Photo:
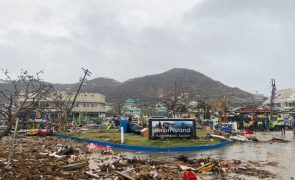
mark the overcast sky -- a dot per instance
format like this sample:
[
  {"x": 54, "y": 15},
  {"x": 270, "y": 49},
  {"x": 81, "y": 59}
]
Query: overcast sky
[{"x": 242, "y": 43}]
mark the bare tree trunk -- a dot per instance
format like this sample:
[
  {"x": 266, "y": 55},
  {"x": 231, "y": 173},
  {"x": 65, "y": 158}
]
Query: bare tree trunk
[{"x": 63, "y": 122}]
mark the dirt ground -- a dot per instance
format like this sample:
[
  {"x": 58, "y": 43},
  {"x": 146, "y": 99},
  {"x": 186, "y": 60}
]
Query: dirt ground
[
  {"x": 31, "y": 160},
  {"x": 28, "y": 162}
]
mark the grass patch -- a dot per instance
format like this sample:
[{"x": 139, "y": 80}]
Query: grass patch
[{"x": 132, "y": 139}]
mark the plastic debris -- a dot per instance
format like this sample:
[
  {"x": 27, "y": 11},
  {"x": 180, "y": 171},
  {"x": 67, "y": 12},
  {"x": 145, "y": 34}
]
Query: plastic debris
[{"x": 189, "y": 176}]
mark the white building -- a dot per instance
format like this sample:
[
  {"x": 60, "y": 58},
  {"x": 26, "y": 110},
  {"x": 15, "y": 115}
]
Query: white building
[
  {"x": 284, "y": 100},
  {"x": 88, "y": 106}
]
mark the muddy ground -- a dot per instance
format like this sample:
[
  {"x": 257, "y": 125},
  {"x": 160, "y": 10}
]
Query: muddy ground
[
  {"x": 31, "y": 160},
  {"x": 275, "y": 157},
  {"x": 264, "y": 152}
]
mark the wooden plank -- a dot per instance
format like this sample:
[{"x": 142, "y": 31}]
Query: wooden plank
[
  {"x": 196, "y": 170},
  {"x": 92, "y": 175},
  {"x": 124, "y": 175},
  {"x": 71, "y": 167}
]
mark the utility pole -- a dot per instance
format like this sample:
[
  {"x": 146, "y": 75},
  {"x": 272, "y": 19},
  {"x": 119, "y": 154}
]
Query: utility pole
[
  {"x": 272, "y": 98},
  {"x": 86, "y": 73},
  {"x": 255, "y": 101},
  {"x": 175, "y": 100}
]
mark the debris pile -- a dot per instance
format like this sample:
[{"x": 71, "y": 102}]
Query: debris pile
[
  {"x": 40, "y": 158},
  {"x": 222, "y": 168},
  {"x": 53, "y": 158},
  {"x": 245, "y": 136},
  {"x": 118, "y": 166}
]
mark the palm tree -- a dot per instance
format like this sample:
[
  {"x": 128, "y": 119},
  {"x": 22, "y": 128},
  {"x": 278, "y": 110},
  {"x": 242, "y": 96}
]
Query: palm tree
[
  {"x": 222, "y": 107},
  {"x": 205, "y": 108}
]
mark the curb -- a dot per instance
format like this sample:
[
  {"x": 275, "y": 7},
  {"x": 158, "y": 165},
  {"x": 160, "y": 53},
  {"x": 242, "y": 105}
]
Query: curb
[{"x": 146, "y": 148}]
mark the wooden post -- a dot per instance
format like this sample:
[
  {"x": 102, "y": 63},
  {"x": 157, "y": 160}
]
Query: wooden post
[{"x": 12, "y": 143}]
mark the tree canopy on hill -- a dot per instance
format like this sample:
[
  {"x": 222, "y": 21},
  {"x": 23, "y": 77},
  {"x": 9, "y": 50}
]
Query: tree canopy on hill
[{"x": 151, "y": 88}]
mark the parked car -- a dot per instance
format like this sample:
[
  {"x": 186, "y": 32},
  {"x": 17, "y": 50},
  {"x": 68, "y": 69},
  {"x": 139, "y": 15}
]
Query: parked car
[
  {"x": 32, "y": 132},
  {"x": 277, "y": 125}
]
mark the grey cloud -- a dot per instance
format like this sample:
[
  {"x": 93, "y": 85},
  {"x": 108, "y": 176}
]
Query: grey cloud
[
  {"x": 241, "y": 43},
  {"x": 249, "y": 37}
]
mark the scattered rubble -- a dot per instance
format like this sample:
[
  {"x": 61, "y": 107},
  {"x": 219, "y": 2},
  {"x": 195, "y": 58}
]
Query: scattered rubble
[
  {"x": 37, "y": 158},
  {"x": 53, "y": 158},
  {"x": 274, "y": 139}
]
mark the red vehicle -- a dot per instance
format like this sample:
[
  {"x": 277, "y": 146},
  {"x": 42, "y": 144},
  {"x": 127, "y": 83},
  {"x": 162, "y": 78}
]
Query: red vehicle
[{"x": 45, "y": 132}]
